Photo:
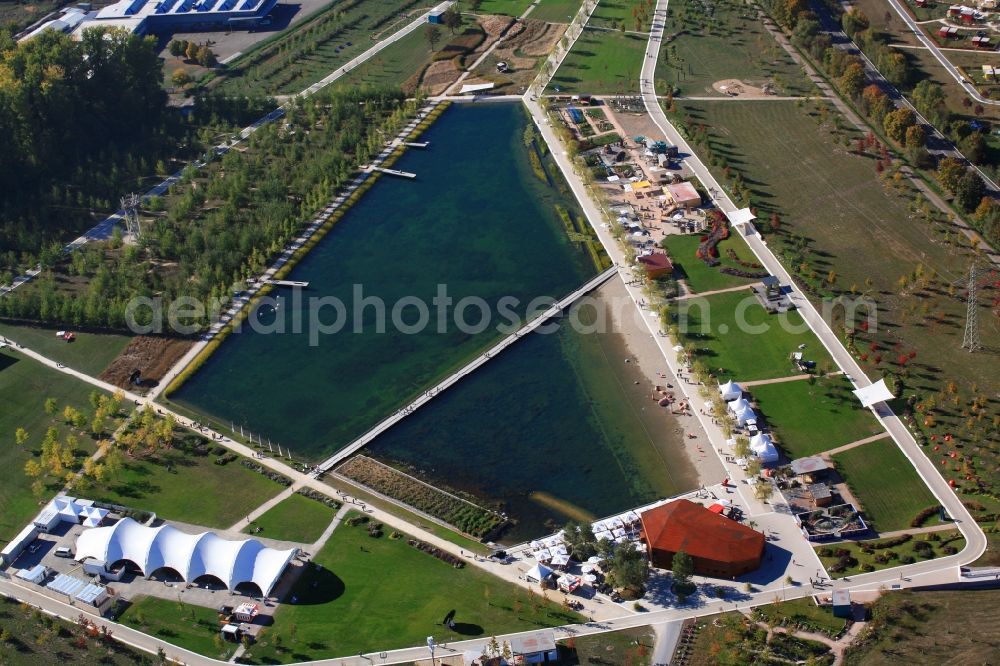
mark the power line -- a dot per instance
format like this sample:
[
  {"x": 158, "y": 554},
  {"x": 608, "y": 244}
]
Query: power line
[{"x": 971, "y": 340}]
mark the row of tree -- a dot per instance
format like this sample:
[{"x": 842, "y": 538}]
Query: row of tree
[{"x": 192, "y": 52}]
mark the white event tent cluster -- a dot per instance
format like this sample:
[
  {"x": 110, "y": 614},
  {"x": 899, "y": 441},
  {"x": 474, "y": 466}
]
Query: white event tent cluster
[{"x": 190, "y": 555}]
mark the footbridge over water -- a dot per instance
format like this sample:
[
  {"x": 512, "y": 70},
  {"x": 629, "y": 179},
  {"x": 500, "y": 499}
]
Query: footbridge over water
[{"x": 554, "y": 311}]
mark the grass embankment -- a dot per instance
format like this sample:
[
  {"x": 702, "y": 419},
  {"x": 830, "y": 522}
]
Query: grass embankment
[
  {"x": 735, "y": 337},
  {"x": 35, "y": 638},
  {"x": 810, "y": 417},
  {"x": 853, "y": 557},
  {"x": 929, "y": 628},
  {"x": 299, "y": 518},
  {"x": 182, "y": 486},
  {"x": 192, "y": 627},
  {"x": 699, "y": 276},
  {"x": 885, "y": 483},
  {"x": 89, "y": 352},
  {"x": 729, "y": 43},
  {"x": 601, "y": 62},
  {"x": 25, "y": 384},
  {"x": 402, "y": 595},
  {"x": 618, "y": 14},
  {"x": 626, "y": 646}
]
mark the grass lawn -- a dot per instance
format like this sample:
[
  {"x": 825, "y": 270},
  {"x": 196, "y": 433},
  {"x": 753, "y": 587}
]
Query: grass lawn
[
  {"x": 627, "y": 646},
  {"x": 905, "y": 553},
  {"x": 601, "y": 62},
  {"x": 298, "y": 518},
  {"x": 191, "y": 489},
  {"x": 510, "y": 7},
  {"x": 810, "y": 418},
  {"x": 89, "y": 353},
  {"x": 804, "y": 613},
  {"x": 370, "y": 593},
  {"x": 40, "y": 639},
  {"x": 195, "y": 628},
  {"x": 24, "y": 386},
  {"x": 884, "y": 481},
  {"x": 613, "y": 13},
  {"x": 555, "y": 11},
  {"x": 699, "y": 276},
  {"x": 729, "y": 44},
  {"x": 736, "y": 337},
  {"x": 930, "y": 628}
]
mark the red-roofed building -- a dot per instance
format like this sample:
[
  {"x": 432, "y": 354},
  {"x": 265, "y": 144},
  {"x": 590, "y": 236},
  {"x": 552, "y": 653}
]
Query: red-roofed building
[
  {"x": 718, "y": 546},
  {"x": 656, "y": 264}
]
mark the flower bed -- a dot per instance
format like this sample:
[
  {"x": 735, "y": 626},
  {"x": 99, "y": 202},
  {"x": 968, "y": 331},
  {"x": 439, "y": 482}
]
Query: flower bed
[{"x": 464, "y": 515}]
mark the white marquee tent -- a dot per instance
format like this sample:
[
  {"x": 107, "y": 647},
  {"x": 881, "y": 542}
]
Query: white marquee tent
[
  {"x": 190, "y": 555},
  {"x": 875, "y": 393},
  {"x": 742, "y": 411},
  {"x": 538, "y": 573},
  {"x": 763, "y": 448},
  {"x": 730, "y": 391}
]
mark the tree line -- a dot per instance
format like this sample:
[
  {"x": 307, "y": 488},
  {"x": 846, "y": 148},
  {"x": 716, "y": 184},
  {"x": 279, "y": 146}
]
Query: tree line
[{"x": 227, "y": 222}]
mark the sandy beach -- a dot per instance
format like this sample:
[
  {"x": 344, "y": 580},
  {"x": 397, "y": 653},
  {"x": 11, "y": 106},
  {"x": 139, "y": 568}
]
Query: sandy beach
[{"x": 642, "y": 352}]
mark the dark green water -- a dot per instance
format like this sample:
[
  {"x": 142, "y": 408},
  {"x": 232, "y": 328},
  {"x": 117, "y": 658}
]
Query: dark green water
[
  {"x": 476, "y": 219},
  {"x": 554, "y": 428}
]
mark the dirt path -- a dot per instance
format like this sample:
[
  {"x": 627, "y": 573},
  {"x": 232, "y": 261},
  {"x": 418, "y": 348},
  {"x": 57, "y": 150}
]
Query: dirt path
[
  {"x": 944, "y": 527},
  {"x": 781, "y": 380},
  {"x": 694, "y": 294},
  {"x": 860, "y": 442}
]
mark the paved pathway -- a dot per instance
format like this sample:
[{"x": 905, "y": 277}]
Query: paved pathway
[
  {"x": 265, "y": 507},
  {"x": 696, "y": 294},
  {"x": 667, "y": 635},
  {"x": 782, "y": 380},
  {"x": 943, "y": 527},
  {"x": 325, "y": 536},
  {"x": 852, "y": 445}
]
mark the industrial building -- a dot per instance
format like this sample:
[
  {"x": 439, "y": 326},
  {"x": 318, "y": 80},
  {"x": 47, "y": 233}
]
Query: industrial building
[{"x": 154, "y": 17}]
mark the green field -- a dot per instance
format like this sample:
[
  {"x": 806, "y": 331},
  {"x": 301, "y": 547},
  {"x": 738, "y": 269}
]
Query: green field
[
  {"x": 885, "y": 483},
  {"x": 697, "y": 274},
  {"x": 509, "y": 7},
  {"x": 24, "y": 386},
  {"x": 735, "y": 337},
  {"x": 90, "y": 353},
  {"x": 372, "y": 593},
  {"x": 812, "y": 417},
  {"x": 298, "y": 518},
  {"x": 729, "y": 44},
  {"x": 886, "y": 558},
  {"x": 188, "y": 488},
  {"x": 555, "y": 11},
  {"x": 195, "y": 628},
  {"x": 929, "y": 628},
  {"x": 601, "y": 62},
  {"x": 806, "y": 612},
  {"x": 618, "y": 13}
]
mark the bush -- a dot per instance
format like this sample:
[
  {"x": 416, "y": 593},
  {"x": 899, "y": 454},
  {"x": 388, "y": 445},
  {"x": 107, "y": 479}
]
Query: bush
[{"x": 922, "y": 517}]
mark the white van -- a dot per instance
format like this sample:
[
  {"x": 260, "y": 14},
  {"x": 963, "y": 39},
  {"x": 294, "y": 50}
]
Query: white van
[{"x": 64, "y": 551}]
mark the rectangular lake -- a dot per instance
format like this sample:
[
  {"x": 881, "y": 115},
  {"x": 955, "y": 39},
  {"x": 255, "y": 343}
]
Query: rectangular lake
[{"x": 476, "y": 219}]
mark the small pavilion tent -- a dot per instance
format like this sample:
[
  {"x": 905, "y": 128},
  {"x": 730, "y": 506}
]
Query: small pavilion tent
[
  {"x": 730, "y": 391},
  {"x": 538, "y": 573},
  {"x": 763, "y": 447},
  {"x": 744, "y": 413},
  {"x": 873, "y": 394},
  {"x": 93, "y": 516},
  {"x": 737, "y": 406},
  {"x": 190, "y": 555}
]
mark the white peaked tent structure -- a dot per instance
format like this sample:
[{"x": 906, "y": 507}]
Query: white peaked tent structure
[
  {"x": 730, "y": 391},
  {"x": 742, "y": 411},
  {"x": 764, "y": 448},
  {"x": 873, "y": 394},
  {"x": 190, "y": 555},
  {"x": 538, "y": 573}
]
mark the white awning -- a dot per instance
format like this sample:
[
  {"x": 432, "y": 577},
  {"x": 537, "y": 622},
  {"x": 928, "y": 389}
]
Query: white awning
[
  {"x": 475, "y": 87},
  {"x": 877, "y": 392},
  {"x": 741, "y": 216}
]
